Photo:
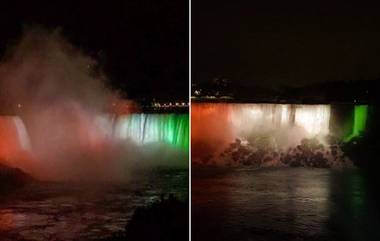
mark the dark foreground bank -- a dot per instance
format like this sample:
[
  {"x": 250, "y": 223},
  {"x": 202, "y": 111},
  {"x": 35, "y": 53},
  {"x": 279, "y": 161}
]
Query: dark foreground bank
[
  {"x": 12, "y": 179},
  {"x": 165, "y": 220}
]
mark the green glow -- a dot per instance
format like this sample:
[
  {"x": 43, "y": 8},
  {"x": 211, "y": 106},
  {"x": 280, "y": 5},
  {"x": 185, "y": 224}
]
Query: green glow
[
  {"x": 172, "y": 129},
  {"x": 360, "y": 120}
]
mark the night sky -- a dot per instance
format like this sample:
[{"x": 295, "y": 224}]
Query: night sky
[
  {"x": 142, "y": 45},
  {"x": 287, "y": 43}
]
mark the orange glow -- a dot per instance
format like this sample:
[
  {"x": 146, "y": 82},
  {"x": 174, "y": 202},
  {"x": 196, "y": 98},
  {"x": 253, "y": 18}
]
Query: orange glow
[
  {"x": 7, "y": 220},
  {"x": 14, "y": 144},
  {"x": 210, "y": 129},
  {"x": 122, "y": 107}
]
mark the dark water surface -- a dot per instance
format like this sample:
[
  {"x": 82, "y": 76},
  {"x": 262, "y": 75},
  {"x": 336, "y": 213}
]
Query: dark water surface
[
  {"x": 72, "y": 211},
  {"x": 283, "y": 204}
]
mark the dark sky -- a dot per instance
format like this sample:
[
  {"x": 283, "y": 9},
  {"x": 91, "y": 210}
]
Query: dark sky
[
  {"x": 141, "y": 44},
  {"x": 284, "y": 43}
]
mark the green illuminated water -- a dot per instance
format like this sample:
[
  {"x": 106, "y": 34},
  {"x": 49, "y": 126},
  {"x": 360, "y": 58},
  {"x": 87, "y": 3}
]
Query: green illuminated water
[
  {"x": 172, "y": 129},
  {"x": 359, "y": 123}
]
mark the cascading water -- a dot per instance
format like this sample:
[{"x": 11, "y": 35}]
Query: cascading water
[
  {"x": 264, "y": 134},
  {"x": 14, "y": 141},
  {"x": 171, "y": 130},
  {"x": 143, "y": 129},
  {"x": 256, "y": 118},
  {"x": 359, "y": 122}
]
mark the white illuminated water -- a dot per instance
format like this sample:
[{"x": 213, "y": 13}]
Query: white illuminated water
[
  {"x": 220, "y": 129},
  {"x": 259, "y": 118}
]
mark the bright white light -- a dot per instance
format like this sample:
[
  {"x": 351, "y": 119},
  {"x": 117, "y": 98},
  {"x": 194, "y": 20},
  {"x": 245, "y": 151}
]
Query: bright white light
[
  {"x": 259, "y": 118},
  {"x": 313, "y": 118},
  {"x": 285, "y": 114},
  {"x": 22, "y": 133}
]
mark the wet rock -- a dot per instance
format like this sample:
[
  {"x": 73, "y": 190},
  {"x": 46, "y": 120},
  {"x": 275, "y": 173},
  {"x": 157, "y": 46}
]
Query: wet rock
[{"x": 262, "y": 152}]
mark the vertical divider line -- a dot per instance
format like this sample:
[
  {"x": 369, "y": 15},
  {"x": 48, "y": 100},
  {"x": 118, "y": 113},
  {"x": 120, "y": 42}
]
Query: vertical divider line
[{"x": 189, "y": 120}]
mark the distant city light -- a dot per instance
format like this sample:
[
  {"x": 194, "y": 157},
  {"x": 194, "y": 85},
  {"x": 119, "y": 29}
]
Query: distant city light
[{"x": 177, "y": 104}]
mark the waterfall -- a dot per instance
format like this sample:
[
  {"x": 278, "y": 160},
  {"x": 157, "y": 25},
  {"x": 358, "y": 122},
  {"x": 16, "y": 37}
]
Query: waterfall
[
  {"x": 313, "y": 119},
  {"x": 14, "y": 141},
  {"x": 254, "y": 134},
  {"x": 215, "y": 122},
  {"x": 359, "y": 121},
  {"x": 96, "y": 146},
  {"x": 143, "y": 129}
]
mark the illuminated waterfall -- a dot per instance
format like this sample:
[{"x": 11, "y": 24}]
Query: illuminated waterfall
[
  {"x": 143, "y": 129},
  {"x": 314, "y": 119},
  {"x": 236, "y": 119},
  {"x": 14, "y": 140},
  {"x": 13, "y": 134},
  {"x": 171, "y": 129},
  {"x": 359, "y": 122},
  {"x": 278, "y": 126},
  {"x": 22, "y": 133}
]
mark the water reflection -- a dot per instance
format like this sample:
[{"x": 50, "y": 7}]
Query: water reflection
[
  {"x": 354, "y": 213},
  {"x": 73, "y": 211},
  {"x": 283, "y": 204}
]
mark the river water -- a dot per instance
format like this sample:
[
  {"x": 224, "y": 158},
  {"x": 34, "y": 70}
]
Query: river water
[
  {"x": 283, "y": 204},
  {"x": 92, "y": 211}
]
